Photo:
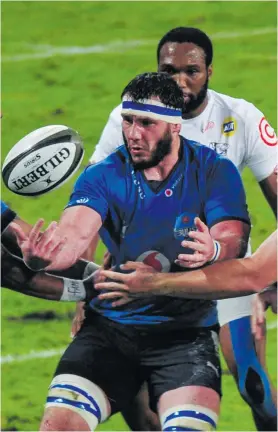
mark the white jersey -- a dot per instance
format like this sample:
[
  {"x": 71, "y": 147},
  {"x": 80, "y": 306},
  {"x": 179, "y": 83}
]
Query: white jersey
[{"x": 232, "y": 127}]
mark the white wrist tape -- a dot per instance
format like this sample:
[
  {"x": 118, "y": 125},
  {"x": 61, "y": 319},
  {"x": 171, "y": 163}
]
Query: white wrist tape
[
  {"x": 217, "y": 251},
  {"x": 74, "y": 290}
]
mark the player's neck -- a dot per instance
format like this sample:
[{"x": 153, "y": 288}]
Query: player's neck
[
  {"x": 197, "y": 111},
  {"x": 163, "y": 169}
]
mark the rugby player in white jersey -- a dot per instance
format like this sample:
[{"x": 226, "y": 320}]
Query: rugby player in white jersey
[{"x": 237, "y": 129}]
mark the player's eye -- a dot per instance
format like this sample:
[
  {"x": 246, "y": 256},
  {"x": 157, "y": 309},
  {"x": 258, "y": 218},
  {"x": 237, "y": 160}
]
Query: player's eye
[
  {"x": 127, "y": 119},
  {"x": 168, "y": 69},
  {"x": 192, "y": 71},
  {"x": 146, "y": 122}
]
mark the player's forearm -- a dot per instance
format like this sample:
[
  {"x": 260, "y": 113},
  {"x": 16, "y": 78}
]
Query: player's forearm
[
  {"x": 233, "y": 239},
  {"x": 233, "y": 278}
]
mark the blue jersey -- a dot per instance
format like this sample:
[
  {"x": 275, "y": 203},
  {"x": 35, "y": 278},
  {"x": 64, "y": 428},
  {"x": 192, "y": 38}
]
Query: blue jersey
[
  {"x": 140, "y": 224},
  {"x": 7, "y": 216}
]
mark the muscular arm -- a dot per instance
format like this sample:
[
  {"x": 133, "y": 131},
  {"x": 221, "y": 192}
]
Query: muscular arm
[
  {"x": 59, "y": 247},
  {"x": 231, "y": 278}
]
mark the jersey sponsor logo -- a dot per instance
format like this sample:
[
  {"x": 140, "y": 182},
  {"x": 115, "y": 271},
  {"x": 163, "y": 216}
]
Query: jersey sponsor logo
[
  {"x": 267, "y": 133},
  {"x": 229, "y": 126},
  {"x": 219, "y": 148},
  {"x": 156, "y": 260},
  {"x": 168, "y": 192},
  {"x": 184, "y": 224}
]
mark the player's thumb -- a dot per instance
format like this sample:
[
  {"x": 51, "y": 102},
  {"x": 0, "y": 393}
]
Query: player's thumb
[{"x": 201, "y": 226}]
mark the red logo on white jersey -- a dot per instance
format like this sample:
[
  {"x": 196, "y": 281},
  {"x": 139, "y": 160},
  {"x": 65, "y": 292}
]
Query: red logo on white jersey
[
  {"x": 210, "y": 125},
  {"x": 267, "y": 133},
  {"x": 156, "y": 260}
]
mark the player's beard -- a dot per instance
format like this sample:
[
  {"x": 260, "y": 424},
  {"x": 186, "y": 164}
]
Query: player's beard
[
  {"x": 196, "y": 100},
  {"x": 163, "y": 148}
]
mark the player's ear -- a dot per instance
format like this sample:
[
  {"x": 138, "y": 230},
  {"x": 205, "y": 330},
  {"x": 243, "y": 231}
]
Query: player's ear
[
  {"x": 176, "y": 128},
  {"x": 210, "y": 71}
]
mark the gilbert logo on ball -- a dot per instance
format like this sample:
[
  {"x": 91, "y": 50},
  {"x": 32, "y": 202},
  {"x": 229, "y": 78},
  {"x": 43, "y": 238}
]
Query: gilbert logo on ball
[{"x": 43, "y": 160}]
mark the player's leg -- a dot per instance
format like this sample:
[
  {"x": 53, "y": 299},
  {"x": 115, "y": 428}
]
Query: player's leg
[
  {"x": 185, "y": 383},
  {"x": 192, "y": 408},
  {"x": 138, "y": 414},
  {"x": 245, "y": 362},
  {"x": 93, "y": 380}
]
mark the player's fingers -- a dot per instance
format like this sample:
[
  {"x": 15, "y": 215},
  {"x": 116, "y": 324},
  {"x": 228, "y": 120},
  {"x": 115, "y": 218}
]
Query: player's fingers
[
  {"x": 134, "y": 265},
  {"x": 111, "y": 295},
  {"x": 199, "y": 247},
  {"x": 19, "y": 233},
  {"x": 200, "y": 225},
  {"x": 110, "y": 274},
  {"x": 191, "y": 258},
  {"x": 122, "y": 301},
  {"x": 49, "y": 236},
  {"x": 184, "y": 264},
  {"x": 110, "y": 285},
  {"x": 199, "y": 236},
  {"x": 35, "y": 231}
]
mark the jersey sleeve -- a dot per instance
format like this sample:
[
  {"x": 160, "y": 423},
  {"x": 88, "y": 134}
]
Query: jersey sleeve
[
  {"x": 261, "y": 142},
  {"x": 7, "y": 216},
  {"x": 91, "y": 190},
  {"x": 225, "y": 196},
  {"x": 111, "y": 137}
]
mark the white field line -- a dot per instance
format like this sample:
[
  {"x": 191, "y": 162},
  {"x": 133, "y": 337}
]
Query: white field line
[
  {"x": 46, "y": 51},
  {"x": 10, "y": 358}
]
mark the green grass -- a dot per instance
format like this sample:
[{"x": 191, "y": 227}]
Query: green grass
[{"x": 80, "y": 91}]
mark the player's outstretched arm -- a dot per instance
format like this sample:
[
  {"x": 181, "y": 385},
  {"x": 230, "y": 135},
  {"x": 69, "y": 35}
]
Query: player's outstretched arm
[
  {"x": 231, "y": 278},
  {"x": 61, "y": 245}
]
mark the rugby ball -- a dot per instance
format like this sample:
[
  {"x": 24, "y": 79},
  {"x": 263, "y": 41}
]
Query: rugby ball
[{"x": 43, "y": 160}]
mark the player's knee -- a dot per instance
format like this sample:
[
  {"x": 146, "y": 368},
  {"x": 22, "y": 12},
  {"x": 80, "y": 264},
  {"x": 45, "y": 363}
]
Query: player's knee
[
  {"x": 82, "y": 401},
  {"x": 189, "y": 418}
]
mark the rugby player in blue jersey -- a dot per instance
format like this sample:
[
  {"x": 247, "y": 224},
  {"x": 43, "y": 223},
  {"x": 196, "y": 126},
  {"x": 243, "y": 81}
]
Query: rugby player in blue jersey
[{"x": 145, "y": 198}]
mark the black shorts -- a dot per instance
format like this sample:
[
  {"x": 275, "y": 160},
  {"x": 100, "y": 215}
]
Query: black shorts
[{"x": 119, "y": 358}]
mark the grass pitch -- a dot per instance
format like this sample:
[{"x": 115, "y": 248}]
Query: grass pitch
[{"x": 48, "y": 78}]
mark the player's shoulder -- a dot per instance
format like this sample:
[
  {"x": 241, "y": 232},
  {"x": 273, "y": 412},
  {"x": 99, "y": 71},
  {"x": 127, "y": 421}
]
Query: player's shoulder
[
  {"x": 231, "y": 106},
  {"x": 205, "y": 156}
]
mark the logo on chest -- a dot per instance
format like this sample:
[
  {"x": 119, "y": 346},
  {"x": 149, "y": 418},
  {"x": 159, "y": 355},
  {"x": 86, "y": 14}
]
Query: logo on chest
[
  {"x": 156, "y": 260},
  {"x": 229, "y": 126},
  {"x": 183, "y": 225},
  {"x": 219, "y": 148}
]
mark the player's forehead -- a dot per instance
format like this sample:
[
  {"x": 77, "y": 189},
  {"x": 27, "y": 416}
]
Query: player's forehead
[{"x": 181, "y": 54}]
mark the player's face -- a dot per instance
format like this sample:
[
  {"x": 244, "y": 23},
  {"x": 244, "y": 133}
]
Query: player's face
[
  {"x": 148, "y": 141},
  {"x": 185, "y": 62}
]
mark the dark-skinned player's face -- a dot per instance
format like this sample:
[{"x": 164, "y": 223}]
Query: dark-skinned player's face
[{"x": 185, "y": 62}]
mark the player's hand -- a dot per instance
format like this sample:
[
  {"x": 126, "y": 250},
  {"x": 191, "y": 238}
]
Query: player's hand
[
  {"x": 124, "y": 287},
  {"x": 260, "y": 303},
  {"x": 77, "y": 319},
  {"x": 38, "y": 249},
  {"x": 202, "y": 245}
]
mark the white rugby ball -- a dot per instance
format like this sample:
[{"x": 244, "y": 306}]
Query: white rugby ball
[{"x": 43, "y": 160}]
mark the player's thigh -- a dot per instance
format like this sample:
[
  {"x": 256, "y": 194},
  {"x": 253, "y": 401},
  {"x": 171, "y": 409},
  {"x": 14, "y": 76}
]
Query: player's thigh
[
  {"x": 94, "y": 355},
  {"x": 189, "y": 408},
  {"x": 186, "y": 358}
]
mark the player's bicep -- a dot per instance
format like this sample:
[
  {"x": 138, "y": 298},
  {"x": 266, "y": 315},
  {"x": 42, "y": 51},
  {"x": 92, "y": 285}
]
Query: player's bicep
[{"x": 269, "y": 188}]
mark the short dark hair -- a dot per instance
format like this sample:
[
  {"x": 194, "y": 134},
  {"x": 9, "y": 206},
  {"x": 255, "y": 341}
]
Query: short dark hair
[
  {"x": 188, "y": 34},
  {"x": 159, "y": 84}
]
